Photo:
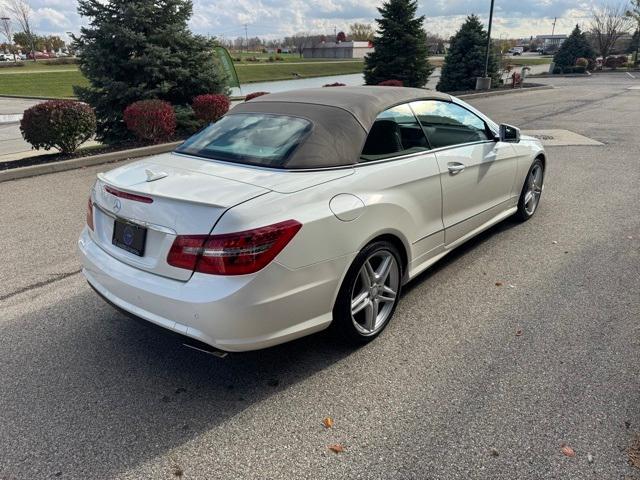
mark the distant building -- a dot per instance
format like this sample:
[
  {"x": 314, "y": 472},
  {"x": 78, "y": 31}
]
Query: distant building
[
  {"x": 550, "y": 42},
  {"x": 338, "y": 50}
]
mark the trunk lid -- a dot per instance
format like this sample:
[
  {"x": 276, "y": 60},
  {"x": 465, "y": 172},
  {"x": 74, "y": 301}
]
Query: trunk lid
[{"x": 182, "y": 202}]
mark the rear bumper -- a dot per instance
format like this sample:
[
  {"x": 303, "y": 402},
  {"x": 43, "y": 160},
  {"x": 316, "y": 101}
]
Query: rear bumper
[{"x": 236, "y": 313}]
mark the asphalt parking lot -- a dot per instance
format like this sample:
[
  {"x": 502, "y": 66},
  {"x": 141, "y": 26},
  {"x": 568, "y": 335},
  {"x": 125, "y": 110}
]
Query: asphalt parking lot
[{"x": 470, "y": 381}]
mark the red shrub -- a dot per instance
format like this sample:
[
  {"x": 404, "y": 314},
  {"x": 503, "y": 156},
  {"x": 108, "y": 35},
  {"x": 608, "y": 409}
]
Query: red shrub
[
  {"x": 63, "y": 124},
  {"x": 582, "y": 62},
  {"x": 254, "y": 95},
  {"x": 151, "y": 120},
  {"x": 210, "y": 107},
  {"x": 392, "y": 83},
  {"x": 614, "y": 62},
  {"x": 337, "y": 84}
]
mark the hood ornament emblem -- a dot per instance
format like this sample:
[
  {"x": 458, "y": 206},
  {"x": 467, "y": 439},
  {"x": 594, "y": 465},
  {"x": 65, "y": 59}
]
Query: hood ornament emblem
[{"x": 153, "y": 176}]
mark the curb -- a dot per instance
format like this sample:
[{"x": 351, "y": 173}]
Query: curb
[
  {"x": 505, "y": 92},
  {"x": 27, "y": 97},
  {"x": 64, "y": 165}
]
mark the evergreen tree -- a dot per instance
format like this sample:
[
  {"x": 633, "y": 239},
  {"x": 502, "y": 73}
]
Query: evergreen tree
[
  {"x": 141, "y": 49},
  {"x": 575, "y": 46},
  {"x": 465, "y": 59},
  {"x": 400, "y": 46}
]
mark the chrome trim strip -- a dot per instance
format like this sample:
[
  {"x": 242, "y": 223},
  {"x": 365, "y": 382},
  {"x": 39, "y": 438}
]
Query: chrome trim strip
[{"x": 151, "y": 226}]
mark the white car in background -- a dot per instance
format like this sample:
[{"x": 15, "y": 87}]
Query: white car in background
[{"x": 303, "y": 210}]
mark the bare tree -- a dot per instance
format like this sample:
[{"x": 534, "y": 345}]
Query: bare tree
[
  {"x": 22, "y": 13},
  {"x": 6, "y": 29},
  {"x": 361, "y": 32},
  {"x": 608, "y": 24}
]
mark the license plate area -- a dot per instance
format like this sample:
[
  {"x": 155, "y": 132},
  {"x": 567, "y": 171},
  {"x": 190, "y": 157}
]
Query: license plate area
[{"x": 129, "y": 236}]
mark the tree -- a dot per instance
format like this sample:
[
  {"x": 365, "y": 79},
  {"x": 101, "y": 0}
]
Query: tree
[
  {"x": 141, "y": 49},
  {"x": 634, "y": 13},
  {"x": 6, "y": 29},
  {"x": 400, "y": 46},
  {"x": 465, "y": 60},
  {"x": 575, "y": 46},
  {"x": 608, "y": 24},
  {"x": 22, "y": 12},
  {"x": 361, "y": 32},
  {"x": 341, "y": 37}
]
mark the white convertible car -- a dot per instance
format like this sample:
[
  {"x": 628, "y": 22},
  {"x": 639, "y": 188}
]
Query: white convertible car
[{"x": 303, "y": 210}]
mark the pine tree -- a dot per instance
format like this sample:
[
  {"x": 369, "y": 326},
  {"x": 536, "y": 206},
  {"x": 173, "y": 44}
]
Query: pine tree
[
  {"x": 400, "y": 46},
  {"x": 465, "y": 59},
  {"x": 575, "y": 46},
  {"x": 141, "y": 49}
]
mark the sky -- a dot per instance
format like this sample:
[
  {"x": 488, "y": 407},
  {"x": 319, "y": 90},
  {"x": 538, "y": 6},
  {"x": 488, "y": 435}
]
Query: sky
[{"x": 278, "y": 18}]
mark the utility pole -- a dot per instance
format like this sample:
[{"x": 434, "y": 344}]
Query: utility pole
[
  {"x": 484, "y": 83},
  {"x": 553, "y": 30},
  {"x": 246, "y": 36}
]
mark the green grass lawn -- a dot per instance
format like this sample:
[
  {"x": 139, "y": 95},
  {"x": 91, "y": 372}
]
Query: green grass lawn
[
  {"x": 50, "y": 84},
  {"x": 284, "y": 71},
  {"x": 58, "y": 80},
  {"x": 529, "y": 61}
]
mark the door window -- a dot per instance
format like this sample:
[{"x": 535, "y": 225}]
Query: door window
[
  {"x": 449, "y": 124},
  {"x": 395, "y": 132}
]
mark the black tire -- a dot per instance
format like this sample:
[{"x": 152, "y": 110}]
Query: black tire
[
  {"x": 523, "y": 214},
  {"x": 343, "y": 326}
]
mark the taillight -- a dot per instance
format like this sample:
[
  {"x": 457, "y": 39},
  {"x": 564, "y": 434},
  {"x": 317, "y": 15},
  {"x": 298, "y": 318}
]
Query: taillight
[
  {"x": 90, "y": 214},
  {"x": 237, "y": 253}
]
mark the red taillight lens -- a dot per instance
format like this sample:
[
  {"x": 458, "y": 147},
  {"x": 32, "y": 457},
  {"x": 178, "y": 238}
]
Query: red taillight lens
[
  {"x": 237, "y": 253},
  {"x": 90, "y": 214}
]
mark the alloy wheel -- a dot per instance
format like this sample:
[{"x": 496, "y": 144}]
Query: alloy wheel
[
  {"x": 375, "y": 292},
  {"x": 534, "y": 190}
]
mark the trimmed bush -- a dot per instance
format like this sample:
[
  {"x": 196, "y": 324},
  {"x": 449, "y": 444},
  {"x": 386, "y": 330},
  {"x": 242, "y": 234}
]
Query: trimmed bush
[
  {"x": 62, "y": 61},
  {"x": 582, "y": 62},
  {"x": 61, "y": 124},
  {"x": 253, "y": 95},
  {"x": 11, "y": 64},
  {"x": 391, "y": 83},
  {"x": 579, "y": 69},
  {"x": 211, "y": 107},
  {"x": 614, "y": 62},
  {"x": 151, "y": 120},
  {"x": 557, "y": 70},
  {"x": 336, "y": 84}
]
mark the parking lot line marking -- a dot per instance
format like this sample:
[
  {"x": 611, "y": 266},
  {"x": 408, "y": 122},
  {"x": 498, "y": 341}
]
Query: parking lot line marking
[{"x": 632, "y": 76}]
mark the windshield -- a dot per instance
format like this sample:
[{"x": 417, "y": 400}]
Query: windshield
[{"x": 250, "y": 138}]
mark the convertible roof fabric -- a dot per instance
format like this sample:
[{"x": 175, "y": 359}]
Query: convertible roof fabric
[{"x": 341, "y": 118}]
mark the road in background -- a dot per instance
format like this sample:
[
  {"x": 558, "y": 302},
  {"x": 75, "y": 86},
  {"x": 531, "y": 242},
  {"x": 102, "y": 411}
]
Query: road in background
[{"x": 470, "y": 381}]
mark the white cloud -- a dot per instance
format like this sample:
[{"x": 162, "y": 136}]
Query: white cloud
[{"x": 278, "y": 18}]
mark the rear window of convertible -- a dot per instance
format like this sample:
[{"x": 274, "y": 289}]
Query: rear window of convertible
[{"x": 250, "y": 138}]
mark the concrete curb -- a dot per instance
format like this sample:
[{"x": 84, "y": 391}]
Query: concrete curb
[
  {"x": 61, "y": 166},
  {"x": 23, "y": 97},
  {"x": 505, "y": 92}
]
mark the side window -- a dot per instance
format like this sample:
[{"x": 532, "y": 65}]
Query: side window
[
  {"x": 449, "y": 124},
  {"x": 395, "y": 132}
]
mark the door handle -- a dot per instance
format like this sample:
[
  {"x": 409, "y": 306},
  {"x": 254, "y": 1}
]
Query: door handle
[{"x": 455, "y": 167}]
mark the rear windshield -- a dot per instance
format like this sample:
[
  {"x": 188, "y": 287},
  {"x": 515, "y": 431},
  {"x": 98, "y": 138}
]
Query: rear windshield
[{"x": 251, "y": 138}]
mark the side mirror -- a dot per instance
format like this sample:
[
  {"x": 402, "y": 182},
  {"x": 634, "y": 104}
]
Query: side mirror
[{"x": 509, "y": 133}]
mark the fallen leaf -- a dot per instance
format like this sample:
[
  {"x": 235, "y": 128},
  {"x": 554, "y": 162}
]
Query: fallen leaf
[
  {"x": 518, "y": 333},
  {"x": 567, "y": 451},
  {"x": 555, "y": 242},
  {"x": 494, "y": 452},
  {"x": 336, "y": 448},
  {"x": 498, "y": 284},
  {"x": 327, "y": 422}
]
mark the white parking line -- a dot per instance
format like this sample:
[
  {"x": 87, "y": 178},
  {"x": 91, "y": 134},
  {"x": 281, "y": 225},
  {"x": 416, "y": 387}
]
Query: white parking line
[{"x": 632, "y": 76}]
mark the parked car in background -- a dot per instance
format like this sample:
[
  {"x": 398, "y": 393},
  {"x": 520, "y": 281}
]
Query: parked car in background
[
  {"x": 303, "y": 210},
  {"x": 515, "y": 51},
  {"x": 38, "y": 55}
]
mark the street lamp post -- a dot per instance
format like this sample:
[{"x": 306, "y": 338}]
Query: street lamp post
[{"x": 484, "y": 83}]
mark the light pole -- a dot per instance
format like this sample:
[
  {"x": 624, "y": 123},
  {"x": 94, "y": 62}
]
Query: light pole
[{"x": 484, "y": 83}]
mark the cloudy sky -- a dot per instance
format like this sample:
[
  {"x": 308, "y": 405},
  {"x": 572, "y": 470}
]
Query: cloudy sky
[{"x": 277, "y": 18}]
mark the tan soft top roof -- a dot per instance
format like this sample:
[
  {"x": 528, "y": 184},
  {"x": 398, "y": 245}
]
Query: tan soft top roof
[{"x": 341, "y": 118}]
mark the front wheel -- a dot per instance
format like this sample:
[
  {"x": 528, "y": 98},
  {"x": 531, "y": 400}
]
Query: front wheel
[
  {"x": 531, "y": 191},
  {"x": 369, "y": 293}
]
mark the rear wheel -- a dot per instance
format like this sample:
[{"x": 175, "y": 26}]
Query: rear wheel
[
  {"x": 369, "y": 293},
  {"x": 531, "y": 191}
]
